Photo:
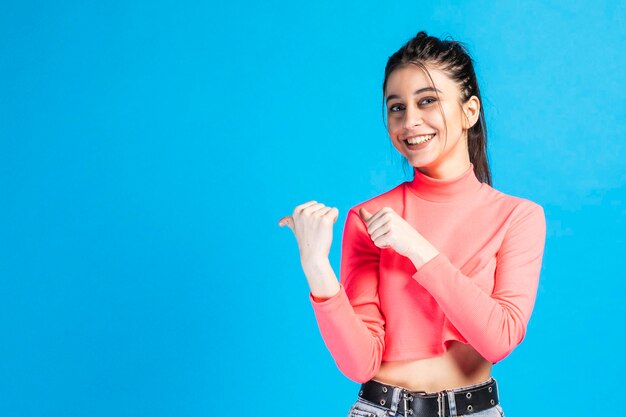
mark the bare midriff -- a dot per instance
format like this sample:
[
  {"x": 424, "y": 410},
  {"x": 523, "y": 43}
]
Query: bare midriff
[{"x": 459, "y": 366}]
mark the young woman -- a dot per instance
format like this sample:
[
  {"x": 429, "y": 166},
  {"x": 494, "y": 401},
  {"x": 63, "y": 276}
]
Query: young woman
[{"x": 438, "y": 275}]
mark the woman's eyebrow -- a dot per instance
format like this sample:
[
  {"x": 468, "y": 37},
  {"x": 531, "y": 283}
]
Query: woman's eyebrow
[{"x": 421, "y": 90}]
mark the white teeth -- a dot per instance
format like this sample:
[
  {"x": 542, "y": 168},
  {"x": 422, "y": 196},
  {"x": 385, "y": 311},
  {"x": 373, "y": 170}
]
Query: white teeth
[{"x": 419, "y": 139}]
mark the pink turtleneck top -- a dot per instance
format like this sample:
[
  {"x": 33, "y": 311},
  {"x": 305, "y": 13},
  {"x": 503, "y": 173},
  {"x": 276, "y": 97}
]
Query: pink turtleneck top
[{"x": 479, "y": 290}]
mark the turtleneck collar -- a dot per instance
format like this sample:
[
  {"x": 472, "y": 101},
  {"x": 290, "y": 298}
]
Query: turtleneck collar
[{"x": 434, "y": 189}]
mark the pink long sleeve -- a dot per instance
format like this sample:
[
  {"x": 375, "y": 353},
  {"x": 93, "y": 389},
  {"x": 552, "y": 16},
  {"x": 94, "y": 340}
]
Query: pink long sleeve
[
  {"x": 479, "y": 290},
  {"x": 493, "y": 324},
  {"x": 350, "y": 322}
]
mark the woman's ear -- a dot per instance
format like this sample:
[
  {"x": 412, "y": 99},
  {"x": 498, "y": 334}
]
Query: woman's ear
[{"x": 471, "y": 108}]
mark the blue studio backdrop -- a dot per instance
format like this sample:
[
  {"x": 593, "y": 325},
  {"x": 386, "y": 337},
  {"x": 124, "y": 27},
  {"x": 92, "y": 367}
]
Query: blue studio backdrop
[{"x": 148, "y": 150}]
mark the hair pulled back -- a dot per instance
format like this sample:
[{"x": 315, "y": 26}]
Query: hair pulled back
[{"x": 452, "y": 58}]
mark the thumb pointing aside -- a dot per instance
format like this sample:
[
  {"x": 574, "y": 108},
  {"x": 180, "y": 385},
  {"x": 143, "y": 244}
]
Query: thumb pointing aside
[
  {"x": 365, "y": 215},
  {"x": 288, "y": 221}
]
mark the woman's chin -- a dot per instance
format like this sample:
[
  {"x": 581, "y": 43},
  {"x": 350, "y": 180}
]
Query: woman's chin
[{"x": 419, "y": 161}]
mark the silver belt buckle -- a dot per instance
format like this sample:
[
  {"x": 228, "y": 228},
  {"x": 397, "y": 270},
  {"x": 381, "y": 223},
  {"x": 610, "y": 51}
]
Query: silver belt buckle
[{"x": 407, "y": 397}]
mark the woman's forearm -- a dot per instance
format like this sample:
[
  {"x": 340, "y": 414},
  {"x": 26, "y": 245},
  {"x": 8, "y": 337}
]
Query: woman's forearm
[{"x": 321, "y": 278}]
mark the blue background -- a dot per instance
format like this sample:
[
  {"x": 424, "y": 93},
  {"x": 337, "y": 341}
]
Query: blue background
[{"x": 148, "y": 150}]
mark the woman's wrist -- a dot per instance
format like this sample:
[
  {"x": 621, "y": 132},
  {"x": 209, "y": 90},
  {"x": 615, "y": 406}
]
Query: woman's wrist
[
  {"x": 321, "y": 277},
  {"x": 422, "y": 254},
  {"x": 314, "y": 264}
]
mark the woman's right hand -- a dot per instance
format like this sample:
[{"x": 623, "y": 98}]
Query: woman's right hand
[{"x": 312, "y": 225}]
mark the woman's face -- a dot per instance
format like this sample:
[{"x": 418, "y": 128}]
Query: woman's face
[{"x": 413, "y": 112}]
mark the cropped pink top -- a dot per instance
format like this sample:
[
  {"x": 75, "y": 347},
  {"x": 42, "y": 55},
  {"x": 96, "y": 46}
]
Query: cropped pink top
[{"x": 479, "y": 290}]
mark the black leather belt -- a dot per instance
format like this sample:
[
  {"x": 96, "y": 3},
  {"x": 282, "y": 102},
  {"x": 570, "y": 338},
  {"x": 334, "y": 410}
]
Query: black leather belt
[{"x": 422, "y": 404}]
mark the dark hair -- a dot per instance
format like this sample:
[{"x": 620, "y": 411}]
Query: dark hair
[{"x": 452, "y": 58}]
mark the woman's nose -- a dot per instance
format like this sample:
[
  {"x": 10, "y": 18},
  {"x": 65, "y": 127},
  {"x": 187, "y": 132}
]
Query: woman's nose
[{"x": 412, "y": 117}]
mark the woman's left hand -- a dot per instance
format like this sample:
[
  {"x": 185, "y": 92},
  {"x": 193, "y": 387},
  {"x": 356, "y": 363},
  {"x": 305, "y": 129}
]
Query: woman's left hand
[{"x": 388, "y": 229}]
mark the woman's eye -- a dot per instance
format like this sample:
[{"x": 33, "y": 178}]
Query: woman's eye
[{"x": 397, "y": 107}]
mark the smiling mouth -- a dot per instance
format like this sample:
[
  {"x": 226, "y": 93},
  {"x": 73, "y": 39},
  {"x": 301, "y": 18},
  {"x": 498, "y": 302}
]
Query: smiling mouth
[{"x": 418, "y": 140}]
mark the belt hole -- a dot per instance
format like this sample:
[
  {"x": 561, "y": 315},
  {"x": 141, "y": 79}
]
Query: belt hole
[
  {"x": 470, "y": 408},
  {"x": 382, "y": 402},
  {"x": 490, "y": 389},
  {"x": 361, "y": 393},
  {"x": 384, "y": 389},
  {"x": 468, "y": 395},
  {"x": 492, "y": 402}
]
